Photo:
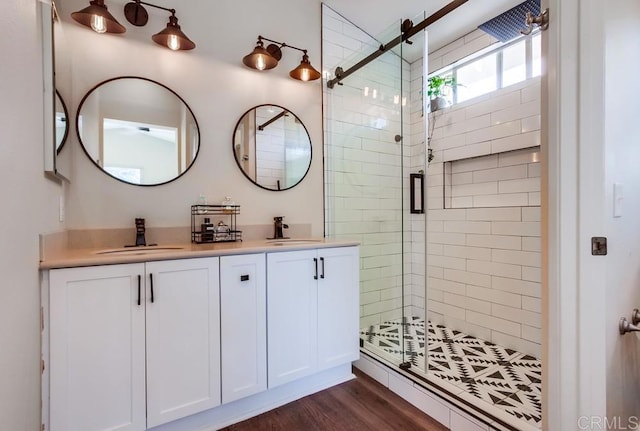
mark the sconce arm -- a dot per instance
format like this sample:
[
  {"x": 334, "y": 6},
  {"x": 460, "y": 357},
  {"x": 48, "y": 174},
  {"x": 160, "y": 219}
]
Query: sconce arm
[
  {"x": 173, "y": 11},
  {"x": 282, "y": 44}
]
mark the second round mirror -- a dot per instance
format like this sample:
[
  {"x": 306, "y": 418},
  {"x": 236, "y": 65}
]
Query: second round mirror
[{"x": 272, "y": 147}]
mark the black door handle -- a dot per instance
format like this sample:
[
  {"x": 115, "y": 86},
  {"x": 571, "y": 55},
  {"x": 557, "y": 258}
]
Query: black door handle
[
  {"x": 139, "y": 283},
  {"x": 322, "y": 262},
  {"x": 151, "y": 282},
  {"x": 315, "y": 262},
  {"x": 244, "y": 277}
]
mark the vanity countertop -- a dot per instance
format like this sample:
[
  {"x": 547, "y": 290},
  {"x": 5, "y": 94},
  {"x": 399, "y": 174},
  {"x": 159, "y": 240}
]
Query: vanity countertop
[{"x": 68, "y": 258}]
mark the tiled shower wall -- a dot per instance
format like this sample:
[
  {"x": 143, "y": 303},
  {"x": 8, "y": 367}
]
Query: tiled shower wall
[
  {"x": 505, "y": 179},
  {"x": 484, "y": 253},
  {"x": 416, "y": 240},
  {"x": 366, "y": 184},
  {"x": 270, "y": 150}
]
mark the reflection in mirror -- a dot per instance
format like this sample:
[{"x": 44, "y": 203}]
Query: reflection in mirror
[
  {"x": 138, "y": 131},
  {"x": 62, "y": 122},
  {"x": 272, "y": 147},
  {"x": 46, "y": 12}
]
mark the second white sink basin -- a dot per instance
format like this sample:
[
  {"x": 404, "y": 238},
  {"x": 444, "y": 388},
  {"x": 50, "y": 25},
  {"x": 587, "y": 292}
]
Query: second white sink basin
[
  {"x": 137, "y": 250},
  {"x": 293, "y": 241}
]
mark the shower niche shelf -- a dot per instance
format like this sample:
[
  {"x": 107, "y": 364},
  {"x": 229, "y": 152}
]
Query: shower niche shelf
[{"x": 222, "y": 225}]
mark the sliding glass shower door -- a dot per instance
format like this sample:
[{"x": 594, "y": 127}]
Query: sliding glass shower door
[{"x": 373, "y": 142}]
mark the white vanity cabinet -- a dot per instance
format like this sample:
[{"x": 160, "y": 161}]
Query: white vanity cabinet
[
  {"x": 133, "y": 346},
  {"x": 312, "y": 311},
  {"x": 243, "y": 329},
  {"x": 97, "y": 348},
  {"x": 183, "y": 338},
  {"x": 199, "y": 342}
]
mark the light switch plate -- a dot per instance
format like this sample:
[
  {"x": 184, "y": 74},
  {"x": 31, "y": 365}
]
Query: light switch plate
[{"x": 618, "y": 197}]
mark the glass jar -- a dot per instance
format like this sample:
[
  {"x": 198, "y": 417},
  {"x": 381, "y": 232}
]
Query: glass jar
[{"x": 228, "y": 205}]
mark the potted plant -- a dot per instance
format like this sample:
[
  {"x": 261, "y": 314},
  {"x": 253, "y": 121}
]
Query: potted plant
[{"x": 436, "y": 85}]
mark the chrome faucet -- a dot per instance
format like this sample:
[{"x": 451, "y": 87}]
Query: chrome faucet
[
  {"x": 140, "y": 230},
  {"x": 278, "y": 226}
]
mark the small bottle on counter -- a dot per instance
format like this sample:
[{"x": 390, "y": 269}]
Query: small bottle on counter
[{"x": 207, "y": 230}]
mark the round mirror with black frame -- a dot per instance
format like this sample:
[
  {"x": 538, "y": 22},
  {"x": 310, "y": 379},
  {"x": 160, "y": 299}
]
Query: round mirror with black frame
[
  {"x": 138, "y": 131},
  {"x": 272, "y": 147},
  {"x": 62, "y": 122}
]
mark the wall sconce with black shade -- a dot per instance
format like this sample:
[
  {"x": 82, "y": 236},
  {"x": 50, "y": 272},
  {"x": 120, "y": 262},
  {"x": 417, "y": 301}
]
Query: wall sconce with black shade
[
  {"x": 100, "y": 20},
  {"x": 262, "y": 58}
]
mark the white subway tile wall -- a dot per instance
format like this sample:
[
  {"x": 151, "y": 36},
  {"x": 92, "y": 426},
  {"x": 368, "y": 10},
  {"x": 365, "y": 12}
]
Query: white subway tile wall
[
  {"x": 483, "y": 252},
  {"x": 482, "y": 255},
  {"x": 489, "y": 181},
  {"x": 367, "y": 169}
]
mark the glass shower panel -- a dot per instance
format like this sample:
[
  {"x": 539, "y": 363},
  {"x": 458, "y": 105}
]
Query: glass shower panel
[
  {"x": 414, "y": 219},
  {"x": 364, "y": 178}
]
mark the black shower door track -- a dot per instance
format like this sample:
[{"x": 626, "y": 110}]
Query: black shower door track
[{"x": 406, "y": 35}]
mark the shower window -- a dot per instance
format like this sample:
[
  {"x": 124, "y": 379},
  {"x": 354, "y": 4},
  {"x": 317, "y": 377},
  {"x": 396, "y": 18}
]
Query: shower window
[
  {"x": 514, "y": 64},
  {"x": 495, "y": 68},
  {"x": 477, "y": 78}
]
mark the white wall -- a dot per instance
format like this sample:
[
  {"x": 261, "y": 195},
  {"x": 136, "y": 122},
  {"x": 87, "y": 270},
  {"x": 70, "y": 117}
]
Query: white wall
[
  {"x": 621, "y": 155},
  {"x": 30, "y": 205},
  {"x": 219, "y": 89}
]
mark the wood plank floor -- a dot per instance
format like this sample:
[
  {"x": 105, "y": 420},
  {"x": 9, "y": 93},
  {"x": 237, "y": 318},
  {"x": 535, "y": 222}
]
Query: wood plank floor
[{"x": 361, "y": 404}]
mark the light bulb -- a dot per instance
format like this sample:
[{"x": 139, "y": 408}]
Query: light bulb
[
  {"x": 174, "y": 42},
  {"x": 98, "y": 24},
  {"x": 305, "y": 75},
  {"x": 260, "y": 64}
]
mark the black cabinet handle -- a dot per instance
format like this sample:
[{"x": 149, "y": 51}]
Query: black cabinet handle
[
  {"x": 244, "y": 277},
  {"x": 151, "y": 281},
  {"x": 139, "y": 283},
  {"x": 315, "y": 262},
  {"x": 322, "y": 262}
]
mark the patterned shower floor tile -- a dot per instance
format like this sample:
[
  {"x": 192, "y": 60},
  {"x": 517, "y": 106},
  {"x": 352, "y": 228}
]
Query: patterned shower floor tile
[{"x": 502, "y": 377}]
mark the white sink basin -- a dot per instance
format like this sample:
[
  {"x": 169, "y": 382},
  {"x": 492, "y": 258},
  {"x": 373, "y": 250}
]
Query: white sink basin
[
  {"x": 293, "y": 241},
  {"x": 136, "y": 250}
]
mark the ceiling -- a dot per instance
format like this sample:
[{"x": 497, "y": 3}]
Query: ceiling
[{"x": 375, "y": 16}]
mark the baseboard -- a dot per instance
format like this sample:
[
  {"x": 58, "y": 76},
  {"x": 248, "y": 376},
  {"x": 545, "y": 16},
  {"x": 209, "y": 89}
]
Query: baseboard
[{"x": 237, "y": 411}]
